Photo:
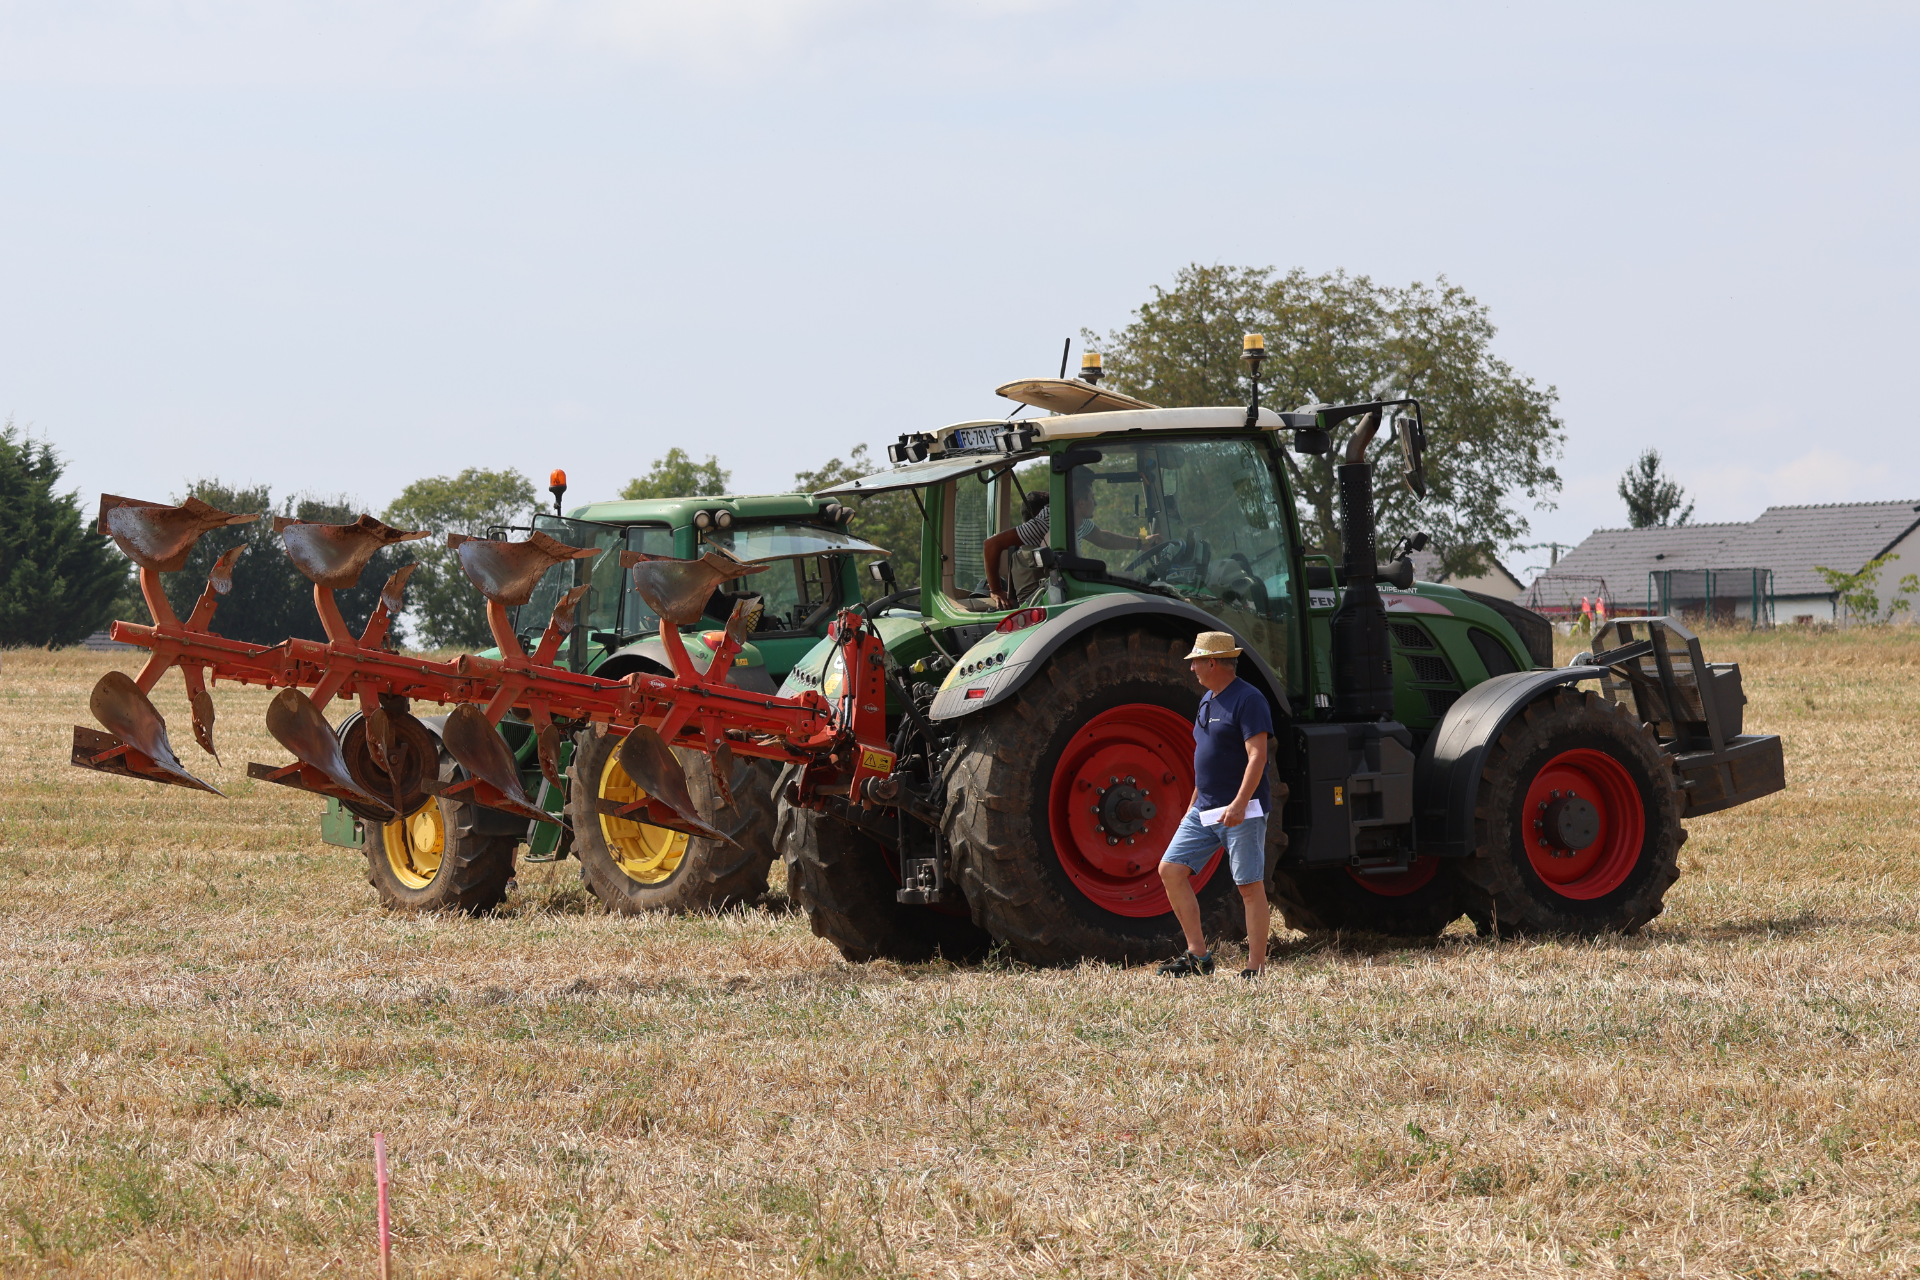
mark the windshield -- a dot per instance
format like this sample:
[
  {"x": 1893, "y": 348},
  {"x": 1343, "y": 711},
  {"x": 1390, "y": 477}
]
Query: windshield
[
  {"x": 774, "y": 541},
  {"x": 797, "y": 594},
  {"x": 1200, "y": 518},
  {"x": 801, "y": 588}
]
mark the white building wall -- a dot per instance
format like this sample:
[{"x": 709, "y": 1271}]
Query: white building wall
[
  {"x": 1789, "y": 610},
  {"x": 1908, "y": 549}
]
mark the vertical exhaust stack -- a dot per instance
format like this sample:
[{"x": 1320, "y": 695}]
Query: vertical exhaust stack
[{"x": 1362, "y": 662}]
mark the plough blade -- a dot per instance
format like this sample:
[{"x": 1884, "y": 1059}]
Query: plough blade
[
  {"x": 507, "y": 572},
  {"x": 653, "y": 768},
  {"x": 720, "y": 765},
  {"x": 332, "y": 555},
  {"x": 160, "y": 537},
  {"x": 493, "y": 775},
  {"x": 297, "y": 725},
  {"x": 135, "y": 744},
  {"x": 202, "y": 703},
  {"x": 678, "y": 590},
  {"x": 745, "y": 619}
]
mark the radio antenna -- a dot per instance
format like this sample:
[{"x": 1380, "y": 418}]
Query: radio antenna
[{"x": 1065, "y": 347}]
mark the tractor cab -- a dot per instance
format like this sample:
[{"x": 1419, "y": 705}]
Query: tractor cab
[
  {"x": 811, "y": 573},
  {"x": 1184, "y": 505}
]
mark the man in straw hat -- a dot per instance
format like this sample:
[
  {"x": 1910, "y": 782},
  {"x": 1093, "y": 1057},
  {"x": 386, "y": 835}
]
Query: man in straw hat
[{"x": 1231, "y": 797}]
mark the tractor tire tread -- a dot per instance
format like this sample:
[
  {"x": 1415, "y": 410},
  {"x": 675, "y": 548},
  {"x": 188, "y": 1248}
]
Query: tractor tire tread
[
  {"x": 1500, "y": 898},
  {"x": 1000, "y": 857}
]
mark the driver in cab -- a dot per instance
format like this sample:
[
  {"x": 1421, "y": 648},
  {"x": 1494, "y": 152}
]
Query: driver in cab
[{"x": 1038, "y": 530}]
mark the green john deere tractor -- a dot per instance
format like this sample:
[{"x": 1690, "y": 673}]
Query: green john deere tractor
[
  {"x": 1429, "y": 758},
  {"x": 459, "y": 856}
]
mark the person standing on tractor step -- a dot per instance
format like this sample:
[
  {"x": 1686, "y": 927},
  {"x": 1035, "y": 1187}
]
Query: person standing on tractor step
[
  {"x": 1231, "y": 797},
  {"x": 1036, "y": 530}
]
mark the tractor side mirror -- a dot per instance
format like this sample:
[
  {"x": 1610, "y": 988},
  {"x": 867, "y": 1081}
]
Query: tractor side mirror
[
  {"x": 882, "y": 572},
  {"x": 1413, "y": 446}
]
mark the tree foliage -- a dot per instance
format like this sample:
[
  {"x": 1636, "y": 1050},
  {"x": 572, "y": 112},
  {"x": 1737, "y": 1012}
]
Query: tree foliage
[
  {"x": 1652, "y": 499},
  {"x": 271, "y": 600},
  {"x": 890, "y": 520},
  {"x": 1335, "y": 338},
  {"x": 447, "y": 610},
  {"x": 59, "y": 577},
  {"x": 1859, "y": 593},
  {"x": 677, "y": 475}
]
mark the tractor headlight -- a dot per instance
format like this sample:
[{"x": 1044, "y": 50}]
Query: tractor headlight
[{"x": 833, "y": 681}]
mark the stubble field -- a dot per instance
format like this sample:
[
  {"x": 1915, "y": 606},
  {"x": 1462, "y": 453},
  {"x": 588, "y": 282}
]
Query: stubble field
[{"x": 204, "y": 1016}]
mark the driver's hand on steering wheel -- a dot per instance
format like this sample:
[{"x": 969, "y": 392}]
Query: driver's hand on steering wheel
[{"x": 1152, "y": 540}]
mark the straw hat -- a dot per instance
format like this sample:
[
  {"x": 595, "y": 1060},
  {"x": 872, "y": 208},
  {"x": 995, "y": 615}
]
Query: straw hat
[{"x": 1214, "y": 644}]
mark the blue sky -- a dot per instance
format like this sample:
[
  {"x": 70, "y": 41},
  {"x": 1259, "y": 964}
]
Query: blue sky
[{"x": 340, "y": 246}]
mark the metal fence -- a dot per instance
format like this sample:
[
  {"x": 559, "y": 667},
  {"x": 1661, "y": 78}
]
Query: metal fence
[{"x": 1725, "y": 597}]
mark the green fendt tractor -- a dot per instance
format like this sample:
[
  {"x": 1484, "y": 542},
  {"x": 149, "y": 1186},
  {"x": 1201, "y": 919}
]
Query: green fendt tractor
[
  {"x": 458, "y": 856},
  {"x": 1429, "y": 759}
]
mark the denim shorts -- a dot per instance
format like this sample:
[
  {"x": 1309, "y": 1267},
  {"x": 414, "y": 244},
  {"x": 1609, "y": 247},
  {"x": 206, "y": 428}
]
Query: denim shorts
[{"x": 1194, "y": 842}]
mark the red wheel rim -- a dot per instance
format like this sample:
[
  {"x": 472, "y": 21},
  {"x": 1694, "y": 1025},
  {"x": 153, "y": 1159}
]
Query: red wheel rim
[
  {"x": 1602, "y": 866},
  {"x": 1153, "y": 746},
  {"x": 1417, "y": 876}
]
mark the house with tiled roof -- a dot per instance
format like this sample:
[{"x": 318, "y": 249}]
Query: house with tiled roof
[{"x": 1766, "y": 569}]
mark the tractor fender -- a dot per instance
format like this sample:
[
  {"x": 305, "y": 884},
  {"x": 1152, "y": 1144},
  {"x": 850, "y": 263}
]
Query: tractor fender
[
  {"x": 1041, "y": 642},
  {"x": 1446, "y": 776},
  {"x": 651, "y": 655}
]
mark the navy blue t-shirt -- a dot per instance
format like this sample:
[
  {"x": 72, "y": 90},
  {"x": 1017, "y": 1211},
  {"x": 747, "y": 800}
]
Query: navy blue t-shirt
[{"x": 1220, "y": 731}]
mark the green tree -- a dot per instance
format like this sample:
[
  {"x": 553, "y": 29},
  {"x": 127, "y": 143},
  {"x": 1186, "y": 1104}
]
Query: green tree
[
  {"x": 677, "y": 475},
  {"x": 1335, "y": 338},
  {"x": 890, "y": 520},
  {"x": 444, "y": 605},
  {"x": 1859, "y": 593},
  {"x": 271, "y": 600},
  {"x": 1652, "y": 499},
  {"x": 59, "y": 578}
]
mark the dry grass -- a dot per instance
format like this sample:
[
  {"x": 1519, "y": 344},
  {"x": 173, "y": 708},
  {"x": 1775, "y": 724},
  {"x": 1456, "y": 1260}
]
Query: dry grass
[{"x": 203, "y": 1017}]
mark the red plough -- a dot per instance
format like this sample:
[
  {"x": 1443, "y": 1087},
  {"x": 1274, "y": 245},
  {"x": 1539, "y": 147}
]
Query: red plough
[{"x": 388, "y": 760}]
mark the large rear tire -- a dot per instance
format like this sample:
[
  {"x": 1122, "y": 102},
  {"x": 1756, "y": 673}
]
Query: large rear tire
[
  {"x": 1417, "y": 903},
  {"x": 1049, "y": 871},
  {"x": 634, "y": 866},
  {"x": 447, "y": 855},
  {"x": 842, "y": 878},
  {"x": 1577, "y": 824}
]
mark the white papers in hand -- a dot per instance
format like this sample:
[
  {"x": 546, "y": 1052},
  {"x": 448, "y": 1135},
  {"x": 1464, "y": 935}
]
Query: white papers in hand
[{"x": 1213, "y": 817}]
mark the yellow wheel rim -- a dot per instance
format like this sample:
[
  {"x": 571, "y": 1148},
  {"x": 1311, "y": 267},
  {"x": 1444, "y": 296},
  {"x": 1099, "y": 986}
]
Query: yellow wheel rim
[
  {"x": 643, "y": 852},
  {"x": 415, "y": 845}
]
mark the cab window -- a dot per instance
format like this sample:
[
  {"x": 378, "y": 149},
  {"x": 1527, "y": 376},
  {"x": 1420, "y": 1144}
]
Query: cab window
[
  {"x": 975, "y": 507},
  {"x": 635, "y": 617},
  {"x": 1199, "y": 518},
  {"x": 600, "y": 610}
]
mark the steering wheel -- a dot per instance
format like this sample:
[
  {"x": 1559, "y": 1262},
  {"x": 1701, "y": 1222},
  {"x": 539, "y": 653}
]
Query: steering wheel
[{"x": 1172, "y": 549}]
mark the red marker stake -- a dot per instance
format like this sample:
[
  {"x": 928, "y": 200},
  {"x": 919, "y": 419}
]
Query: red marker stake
[{"x": 380, "y": 1177}]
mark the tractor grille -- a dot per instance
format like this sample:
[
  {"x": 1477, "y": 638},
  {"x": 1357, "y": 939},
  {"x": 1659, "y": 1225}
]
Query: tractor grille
[
  {"x": 1409, "y": 636},
  {"x": 1438, "y": 700},
  {"x": 1429, "y": 670}
]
